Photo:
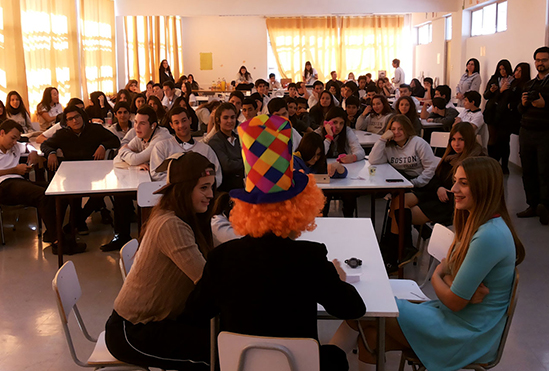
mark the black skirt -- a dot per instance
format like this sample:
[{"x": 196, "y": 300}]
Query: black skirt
[{"x": 166, "y": 344}]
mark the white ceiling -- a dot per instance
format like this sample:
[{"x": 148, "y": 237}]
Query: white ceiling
[{"x": 196, "y": 8}]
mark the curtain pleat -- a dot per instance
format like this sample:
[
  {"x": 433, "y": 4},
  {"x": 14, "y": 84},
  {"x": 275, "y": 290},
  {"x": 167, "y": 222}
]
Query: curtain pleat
[
  {"x": 154, "y": 39},
  {"x": 342, "y": 44}
]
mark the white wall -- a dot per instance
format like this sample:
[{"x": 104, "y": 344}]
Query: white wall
[
  {"x": 526, "y": 31},
  {"x": 233, "y": 41},
  {"x": 280, "y": 7},
  {"x": 429, "y": 58}
]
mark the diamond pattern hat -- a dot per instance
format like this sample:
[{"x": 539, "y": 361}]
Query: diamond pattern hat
[{"x": 268, "y": 162}]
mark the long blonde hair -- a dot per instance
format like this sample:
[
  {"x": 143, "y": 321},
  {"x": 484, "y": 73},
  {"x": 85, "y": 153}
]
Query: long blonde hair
[{"x": 485, "y": 180}]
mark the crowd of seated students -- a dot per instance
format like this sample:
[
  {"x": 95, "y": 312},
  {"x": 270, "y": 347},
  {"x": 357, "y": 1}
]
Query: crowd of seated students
[{"x": 178, "y": 237}]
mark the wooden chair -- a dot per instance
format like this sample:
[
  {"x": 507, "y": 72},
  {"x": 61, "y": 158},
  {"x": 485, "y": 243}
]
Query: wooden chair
[
  {"x": 246, "y": 353},
  {"x": 127, "y": 255},
  {"x": 411, "y": 358},
  {"x": 67, "y": 293},
  {"x": 440, "y": 242}
]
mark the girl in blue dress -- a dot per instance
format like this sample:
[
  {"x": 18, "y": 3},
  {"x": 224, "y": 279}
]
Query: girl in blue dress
[{"x": 473, "y": 284}]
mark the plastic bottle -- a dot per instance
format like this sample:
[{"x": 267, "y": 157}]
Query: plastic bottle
[
  {"x": 223, "y": 84},
  {"x": 108, "y": 119}
]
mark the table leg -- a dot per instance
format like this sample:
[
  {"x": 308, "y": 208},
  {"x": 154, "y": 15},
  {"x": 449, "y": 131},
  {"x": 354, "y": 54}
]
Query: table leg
[
  {"x": 401, "y": 229},
  {"x": 60, "y": 238},
  {"x": 373, "y": 209},
  {"x": 380, "y": 366},
  {"x": 213, "y": 343}
]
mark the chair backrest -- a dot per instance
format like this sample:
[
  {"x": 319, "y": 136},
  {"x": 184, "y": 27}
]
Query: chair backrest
[
  {"x": 440, "y": 242},
  {"x": 127, "y": 255},
  {"x": 439, "y": 139},
  {"x": 67, "y": 289},
  {"x": 145, "y": 197},
  {"x": 510, "y": 314},
  {"x": 483, "y": 136},
  {"x": 246, "y": 353}
]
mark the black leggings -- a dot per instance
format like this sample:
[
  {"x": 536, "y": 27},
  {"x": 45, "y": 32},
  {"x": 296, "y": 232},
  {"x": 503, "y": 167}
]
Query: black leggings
[{"x": 167, "y": 344}]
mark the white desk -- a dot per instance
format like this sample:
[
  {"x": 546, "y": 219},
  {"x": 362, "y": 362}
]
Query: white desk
[
  {"x": 358, "y": 180},
  {"x": 91, "y": 178},
  {"x": 84, "y": 178},
  {"x": 347, "y": 238},
  {"x": 365, "y": 138}
]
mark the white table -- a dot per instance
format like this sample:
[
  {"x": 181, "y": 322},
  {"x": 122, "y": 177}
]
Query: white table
[
  {"x": 365, "y": 138},
  {"x": 358, "y": 180},
  {"x": 91, "y": 178},
  {"x": 347, "y": 238}
]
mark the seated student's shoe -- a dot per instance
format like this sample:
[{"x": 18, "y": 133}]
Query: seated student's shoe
[
  {"x": 543, "y": 214},
  {"x": 391, "y": 268},
  {"x": 70, "y": 248},
  {"x": 530, "y": 212},
  {"x": 116, "y": 243},
  {"x": 49, "y": 236},
  {"x": 81, "y": 229},
  {"x": 106, "y": 217},
  {"x": 409, "y": 255}
]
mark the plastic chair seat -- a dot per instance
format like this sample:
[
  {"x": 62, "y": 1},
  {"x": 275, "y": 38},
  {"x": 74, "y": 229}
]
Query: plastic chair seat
[
  {"x": 408, "y": 290},
  {"x": 101, "y": 355}
]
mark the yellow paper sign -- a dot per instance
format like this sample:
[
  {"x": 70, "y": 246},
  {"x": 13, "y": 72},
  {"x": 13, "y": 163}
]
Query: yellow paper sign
[{"x": 206, "y": 61}]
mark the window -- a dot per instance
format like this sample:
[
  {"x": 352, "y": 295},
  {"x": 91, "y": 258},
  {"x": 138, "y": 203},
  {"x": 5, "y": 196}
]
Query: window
[
  {"x": 425, "y": 34},
  {"x": 448, "y": 27},
  {"x": 489, "y": 19}
]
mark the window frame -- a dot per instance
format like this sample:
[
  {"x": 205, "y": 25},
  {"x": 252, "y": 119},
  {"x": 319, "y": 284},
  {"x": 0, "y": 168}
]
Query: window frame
[
  {"x": 496, "y": 27},
  {"x": 429, "y": 26}
]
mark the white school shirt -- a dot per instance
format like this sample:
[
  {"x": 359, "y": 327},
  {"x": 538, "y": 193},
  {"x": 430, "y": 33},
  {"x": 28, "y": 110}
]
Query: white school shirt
[{"x": 10, "y": 159}]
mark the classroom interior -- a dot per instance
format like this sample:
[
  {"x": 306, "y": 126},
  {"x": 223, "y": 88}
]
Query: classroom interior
[{"x": 31, "y": 335}]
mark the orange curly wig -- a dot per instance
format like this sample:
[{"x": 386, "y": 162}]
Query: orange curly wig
[{"x": 281, "y": 218}]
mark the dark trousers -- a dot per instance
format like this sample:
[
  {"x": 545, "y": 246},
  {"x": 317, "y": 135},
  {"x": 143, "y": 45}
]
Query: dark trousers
[
  {"x": 333, "y": 358},
  {"x": 534, "y": 156},
  {"x": 501, "y": 149},
  {"x": 348, "y": 200},
  {"x": 123, "y": 208},
  {"x": 167, "y": 344},
  {"x": 18, "y": 191}
]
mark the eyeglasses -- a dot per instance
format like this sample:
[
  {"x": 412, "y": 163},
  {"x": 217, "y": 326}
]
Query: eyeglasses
[
  {"x": 544, "y": 60},
  {"x": 75, "y": 117}
]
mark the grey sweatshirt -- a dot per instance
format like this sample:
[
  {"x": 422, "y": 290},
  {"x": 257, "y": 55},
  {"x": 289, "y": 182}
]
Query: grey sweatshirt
[{"x": 415, "y": 159}]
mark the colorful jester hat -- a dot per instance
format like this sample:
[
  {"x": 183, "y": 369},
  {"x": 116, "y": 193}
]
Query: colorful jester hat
[{"x": 268, "y": 162}]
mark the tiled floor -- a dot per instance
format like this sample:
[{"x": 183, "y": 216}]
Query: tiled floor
[{"x": 31, "y": 336}]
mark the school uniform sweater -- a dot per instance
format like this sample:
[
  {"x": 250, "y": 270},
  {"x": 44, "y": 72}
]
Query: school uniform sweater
[
  {"x": 138, "y": 151},
  {"x": 415, "y": 160},
  {"x": 164, "y": 149},
  {"x": 78, "y": 147},
  {"x": 373, "y": 123}
]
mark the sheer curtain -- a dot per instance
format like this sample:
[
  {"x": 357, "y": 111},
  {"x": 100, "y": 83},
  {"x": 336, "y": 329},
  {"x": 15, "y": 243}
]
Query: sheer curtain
[
  {"x": 97, "y": 46},
  {"x": 149, "y": 40},
  {"x": 50, "y": 48},
  {"x": 12, "y": 56},
  {"x": 370, "y": 44},
  {"x": 342, "y": 44},
  {"x": 298, "y": 40}
]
